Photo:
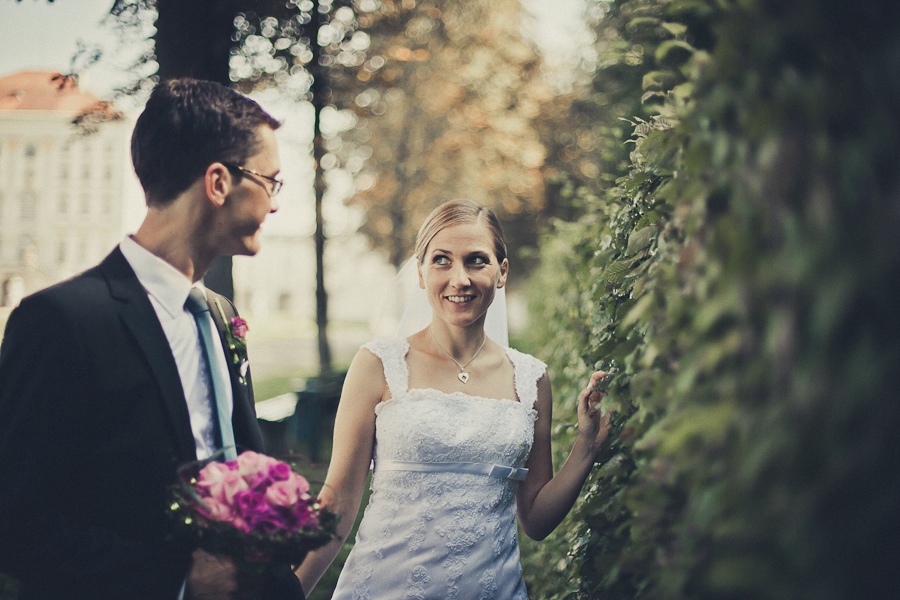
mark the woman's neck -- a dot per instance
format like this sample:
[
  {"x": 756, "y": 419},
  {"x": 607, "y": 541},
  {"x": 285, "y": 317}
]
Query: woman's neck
[{"x": 460, "y": 342}]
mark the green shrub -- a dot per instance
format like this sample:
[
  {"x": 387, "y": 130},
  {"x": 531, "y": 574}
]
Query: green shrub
[{"x": 740, "y": 282}]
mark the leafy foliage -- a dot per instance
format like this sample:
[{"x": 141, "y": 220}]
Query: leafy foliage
[
  {"x": 445, "y": 105},
  {"x": 427, "y": 100},
  {"x": 739, "y": 281}
]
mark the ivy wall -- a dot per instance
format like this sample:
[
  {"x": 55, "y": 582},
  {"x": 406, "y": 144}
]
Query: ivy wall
[{"x": 740, "y": 280}]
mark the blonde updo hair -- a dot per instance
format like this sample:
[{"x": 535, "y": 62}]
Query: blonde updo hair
[{"x": 459, "y": 212}]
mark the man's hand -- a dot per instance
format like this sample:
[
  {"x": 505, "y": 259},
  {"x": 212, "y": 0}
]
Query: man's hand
[{"x": 216, "y": 577}]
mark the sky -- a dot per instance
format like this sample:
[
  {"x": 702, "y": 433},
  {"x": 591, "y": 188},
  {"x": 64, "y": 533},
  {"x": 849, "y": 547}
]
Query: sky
[{"x": 39, "y": 35}]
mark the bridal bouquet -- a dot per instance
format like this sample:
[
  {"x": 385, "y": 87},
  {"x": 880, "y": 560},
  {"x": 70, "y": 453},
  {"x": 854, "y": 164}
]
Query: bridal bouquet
[{"x": 254, "y": 508}]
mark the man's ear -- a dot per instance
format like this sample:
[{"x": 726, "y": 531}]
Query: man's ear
[{"x": 217, "y": 183}]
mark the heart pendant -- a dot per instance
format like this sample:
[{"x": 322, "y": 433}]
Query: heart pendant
[{"x": 464, "y": 377}]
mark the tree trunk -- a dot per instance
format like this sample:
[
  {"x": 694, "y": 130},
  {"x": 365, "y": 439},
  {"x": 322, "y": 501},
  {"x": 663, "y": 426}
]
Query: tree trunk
[
  {"x": 193, "y": 39},
  {"x": 319, "y": 89}
]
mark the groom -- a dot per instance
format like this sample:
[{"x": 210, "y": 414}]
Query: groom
[{"x": 105, "y": 388}]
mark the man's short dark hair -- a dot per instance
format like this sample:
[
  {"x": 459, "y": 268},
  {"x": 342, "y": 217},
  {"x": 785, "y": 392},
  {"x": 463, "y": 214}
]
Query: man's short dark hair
[{"x": 186, "y": 126}]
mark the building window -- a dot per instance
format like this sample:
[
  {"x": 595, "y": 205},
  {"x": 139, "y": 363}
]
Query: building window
[
  {"x": 29, "y": 206},
  {"x": 61, "y": 253},
  {"x": 63, "y": 203},
  {"x": 85, "y": 204},
  {"x": 86, "y": 172},
  {"x": 107, "y": 204},
  {"x": 285, "y": 302},
  {"x": 26, "y": 250},
  {"x": 30, "y": 151}
]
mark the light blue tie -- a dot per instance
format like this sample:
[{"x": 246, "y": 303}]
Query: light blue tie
[{"x": 199, "y": 307}]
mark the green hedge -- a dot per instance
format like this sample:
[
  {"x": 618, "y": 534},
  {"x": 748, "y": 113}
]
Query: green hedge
[{"x": 741, "y": 283}]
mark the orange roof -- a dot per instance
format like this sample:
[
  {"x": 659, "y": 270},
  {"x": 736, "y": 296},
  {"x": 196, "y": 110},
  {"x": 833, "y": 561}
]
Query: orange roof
[{"x": 31, "y": 90}]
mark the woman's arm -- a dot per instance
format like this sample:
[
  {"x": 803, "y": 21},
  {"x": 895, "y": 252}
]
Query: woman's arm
[
  {"x": 354, "y": 436},
  {"x": 544, "y": 499}
]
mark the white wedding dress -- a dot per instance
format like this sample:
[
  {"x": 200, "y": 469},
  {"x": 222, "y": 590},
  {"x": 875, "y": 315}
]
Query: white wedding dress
[{"x": 441, "y": 520}]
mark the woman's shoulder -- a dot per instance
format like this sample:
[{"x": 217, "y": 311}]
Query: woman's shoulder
[
  {"x": 527, "y": 366},
  {"x": 521, "y": 358},
  {"x": 387, "y": 348}
]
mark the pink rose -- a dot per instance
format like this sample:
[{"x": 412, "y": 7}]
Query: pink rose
[
  {"x": 250, "y": 463},
  {"x": 239, "y": 523},
  {"x": 239, "y": 328},
  {"x": 224, "y": 488},
  {"x": 211, "y": 480},
  {"x": 299, "y": 482},
  {"x": 282, "y": 493},
  {"x": 215, "y": 510}
]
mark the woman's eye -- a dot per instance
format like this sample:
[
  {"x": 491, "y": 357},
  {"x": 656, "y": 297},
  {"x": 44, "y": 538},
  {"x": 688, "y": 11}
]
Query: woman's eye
[
  {"x": 478, "y": 260},
  {"x": 441, "y": 260}
]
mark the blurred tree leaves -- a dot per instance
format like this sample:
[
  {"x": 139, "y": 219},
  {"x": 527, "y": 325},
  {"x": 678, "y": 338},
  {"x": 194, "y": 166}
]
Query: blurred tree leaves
[
  {"x": 436, "y": 99},
  {"x": 445, "y": 104}
]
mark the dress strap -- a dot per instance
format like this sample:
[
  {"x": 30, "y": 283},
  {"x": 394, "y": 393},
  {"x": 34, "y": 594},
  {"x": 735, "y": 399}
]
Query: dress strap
[
  {"x": 528, "y": 371},
  {"x": 487, "y": 469},
  {"x": 392, "y": 353}
]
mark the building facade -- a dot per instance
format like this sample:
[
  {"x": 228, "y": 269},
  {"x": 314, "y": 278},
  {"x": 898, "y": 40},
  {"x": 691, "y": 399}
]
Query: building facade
[{"x": 67, "y": 194}]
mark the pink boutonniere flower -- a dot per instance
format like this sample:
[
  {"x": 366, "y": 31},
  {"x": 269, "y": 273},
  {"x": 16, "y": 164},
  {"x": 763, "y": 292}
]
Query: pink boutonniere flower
[
  {"x": 239, "y": 328},
  {"x": 236, "y": 336}
]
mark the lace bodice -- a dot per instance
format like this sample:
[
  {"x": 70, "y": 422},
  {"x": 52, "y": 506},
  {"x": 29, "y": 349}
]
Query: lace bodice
[{"x": 442, "y": 533}]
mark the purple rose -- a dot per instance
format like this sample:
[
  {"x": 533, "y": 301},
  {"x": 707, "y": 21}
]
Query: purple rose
[
  {"x": 279, "y": 471},
  {"x": 303, "y": 516},
  {"x": 247, "y": 503}
]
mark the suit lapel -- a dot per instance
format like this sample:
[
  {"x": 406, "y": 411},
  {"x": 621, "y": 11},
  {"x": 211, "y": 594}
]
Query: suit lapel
[
  {"x": 140, "y": 319},
  {"x": 243, "y": 418}
]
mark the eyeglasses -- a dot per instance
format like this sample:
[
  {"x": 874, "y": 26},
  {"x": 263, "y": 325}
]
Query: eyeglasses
[{"x": 276, "y": 183}]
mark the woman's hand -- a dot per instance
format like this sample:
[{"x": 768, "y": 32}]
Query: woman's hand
[{"x": 593, "y": 427}]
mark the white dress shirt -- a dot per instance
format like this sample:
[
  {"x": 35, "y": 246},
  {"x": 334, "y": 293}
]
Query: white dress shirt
[{"x": 168, "y": 289}]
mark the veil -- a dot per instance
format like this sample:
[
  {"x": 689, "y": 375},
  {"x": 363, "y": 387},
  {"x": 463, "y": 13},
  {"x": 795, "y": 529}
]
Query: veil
[{"x": 405, "y": 309}]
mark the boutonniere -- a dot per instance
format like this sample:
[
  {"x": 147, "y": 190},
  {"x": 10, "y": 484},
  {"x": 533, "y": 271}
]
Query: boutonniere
[{"x": 236, "y": 336}]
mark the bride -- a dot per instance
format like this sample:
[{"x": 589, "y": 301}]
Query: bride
[{"x": 459, "y": 429}]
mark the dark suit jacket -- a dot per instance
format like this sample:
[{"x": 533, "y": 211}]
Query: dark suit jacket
[{"x": 93, "y": 426}]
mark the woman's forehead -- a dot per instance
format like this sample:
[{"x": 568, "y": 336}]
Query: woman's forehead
[{"x": 474, "y": 235}]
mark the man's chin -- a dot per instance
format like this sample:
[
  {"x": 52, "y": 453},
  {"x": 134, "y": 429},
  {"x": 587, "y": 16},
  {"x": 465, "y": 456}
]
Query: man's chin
[{"x": 250, "y": 246}]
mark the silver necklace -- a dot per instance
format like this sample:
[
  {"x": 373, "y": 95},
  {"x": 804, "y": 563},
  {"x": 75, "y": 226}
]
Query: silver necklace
[{"x": 463, "y": 374}]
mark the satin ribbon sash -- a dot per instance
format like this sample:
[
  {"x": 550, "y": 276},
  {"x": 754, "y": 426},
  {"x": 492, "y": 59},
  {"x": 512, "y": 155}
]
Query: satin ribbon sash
[{"x": 487, "y": 469}]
